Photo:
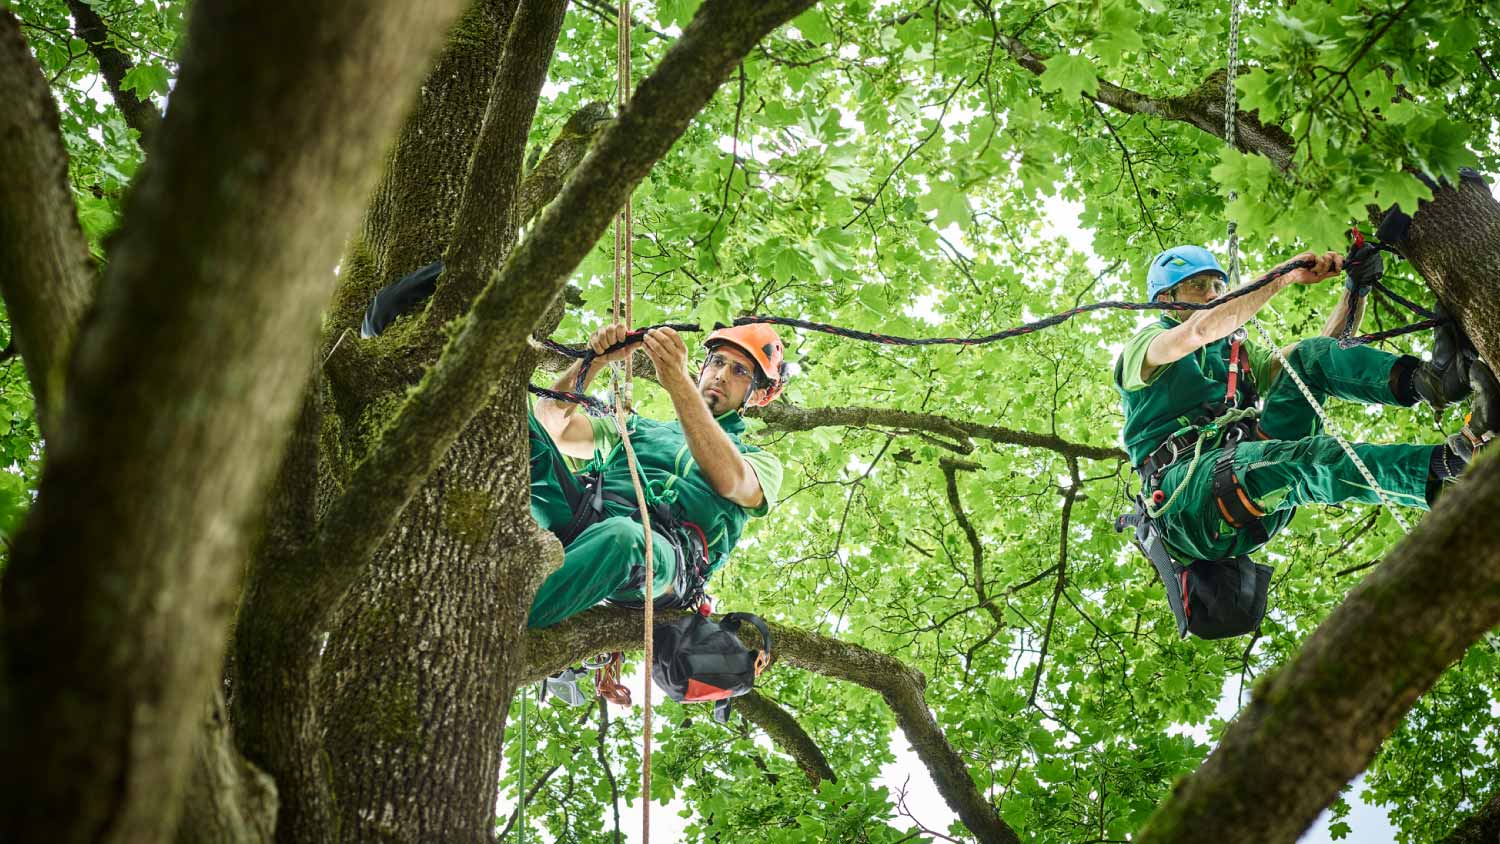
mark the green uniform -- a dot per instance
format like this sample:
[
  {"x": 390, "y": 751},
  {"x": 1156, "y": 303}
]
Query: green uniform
[
  {"x": 1299, "y": 465},
  {"x": 601, "y": 560}
]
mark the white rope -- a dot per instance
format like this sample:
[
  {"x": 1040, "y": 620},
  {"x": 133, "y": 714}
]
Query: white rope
[
  {"x": 1230, "y": 106},
  {"x": 1328, "y": 428}
]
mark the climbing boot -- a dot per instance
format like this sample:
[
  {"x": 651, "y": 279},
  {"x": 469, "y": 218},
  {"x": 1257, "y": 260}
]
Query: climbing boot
[
  {"x": 1483, "y": 420},
  {"x": 1445, "y": 379}
]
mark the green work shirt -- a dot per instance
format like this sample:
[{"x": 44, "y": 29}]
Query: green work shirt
[
  {"x": 667, "y": 465},
  {"x": 1179, "y": 392}
]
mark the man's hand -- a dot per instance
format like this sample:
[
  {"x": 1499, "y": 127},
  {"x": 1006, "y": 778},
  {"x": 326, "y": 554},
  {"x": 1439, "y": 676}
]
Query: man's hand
[
  {"x": 605, "y": 337},
  {"x": 1325, "y": 266},
  {"x": 669, "y": 355}
]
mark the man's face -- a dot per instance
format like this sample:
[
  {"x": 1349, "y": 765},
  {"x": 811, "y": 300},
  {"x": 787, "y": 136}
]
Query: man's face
[
  {"x": 1204, "y": 287},
  {"x": 727, "y": 376}
]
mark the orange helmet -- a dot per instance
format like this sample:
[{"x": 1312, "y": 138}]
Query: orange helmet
[{"x": 763, "y": 345}]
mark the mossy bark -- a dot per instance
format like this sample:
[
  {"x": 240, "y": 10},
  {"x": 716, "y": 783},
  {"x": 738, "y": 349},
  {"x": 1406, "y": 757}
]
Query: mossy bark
[{"x": 182, "y": 389}]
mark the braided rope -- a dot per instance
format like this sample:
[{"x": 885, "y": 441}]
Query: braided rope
[
  {"x": 1328, "y": 426},
  {"x": 1233, "y": 247}
]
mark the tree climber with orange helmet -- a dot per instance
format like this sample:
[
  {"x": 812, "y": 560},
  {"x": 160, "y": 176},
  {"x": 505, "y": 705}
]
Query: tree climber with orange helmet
[{"x": 702, "y": 483}]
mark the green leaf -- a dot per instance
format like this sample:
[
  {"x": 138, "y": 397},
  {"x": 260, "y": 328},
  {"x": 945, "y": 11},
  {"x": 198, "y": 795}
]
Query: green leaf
[
  {"x": 677, "y": 12},
  {"x": 1071, "y": 75},
  {"x": 146, "y": 79},
  {"x": 813, "y": 24},
  {"x": 951, "y": 205},
  {"x": 1460, "y": 35}
]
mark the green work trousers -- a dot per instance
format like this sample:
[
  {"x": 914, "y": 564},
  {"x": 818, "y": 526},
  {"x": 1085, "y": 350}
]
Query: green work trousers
[
  {"x": 1299, "y": 465},
  {"x": 602, "y": 559}
]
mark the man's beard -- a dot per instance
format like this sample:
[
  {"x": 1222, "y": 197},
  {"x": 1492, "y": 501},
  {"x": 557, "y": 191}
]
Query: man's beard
[{"x": 717, "y": 402}]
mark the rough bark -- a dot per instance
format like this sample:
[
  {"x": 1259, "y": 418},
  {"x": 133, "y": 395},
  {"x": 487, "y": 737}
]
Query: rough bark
[
  {"x": 412, "y": 732},
  {"x": 783, "y": 729},
  {"x": 484, "y": 229},
  {"x": 599, "y": 631},
  {"x": 279, "y": 712},
  {"x": 411, "y": 210},
  {"x": 47, "y": 280},
  {"x": 181, "y": 388},
  {"x": 140, "y": 115},
  {"x": 228, "y": 800},
  {"x": 1318, "y": 721},
  {"x": 787, "y": 417},
  {"x": 1482, "y": 827},
  {"x": 1454, "y": 242},
  {"x": 567, "y": 149}
]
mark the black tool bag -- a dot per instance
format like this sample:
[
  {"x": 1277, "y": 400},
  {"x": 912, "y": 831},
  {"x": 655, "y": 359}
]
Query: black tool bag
[
  {"x": 698, "y": 659},
  {"x": 1212, "y": 599}
]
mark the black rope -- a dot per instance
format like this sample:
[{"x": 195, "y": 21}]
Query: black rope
[
  {"x": 590, "y": 405},
  {"x": 598, "y": 408},
  {"x": 587, "y": 355}
]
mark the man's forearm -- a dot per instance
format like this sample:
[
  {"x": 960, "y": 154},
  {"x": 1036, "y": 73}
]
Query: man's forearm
[
  {"x": 717, "y": 458},
  {"x": 1225, "y": 319},
  {"x": 1335, "y": 324},
  {"x": 552, "y": 414}
]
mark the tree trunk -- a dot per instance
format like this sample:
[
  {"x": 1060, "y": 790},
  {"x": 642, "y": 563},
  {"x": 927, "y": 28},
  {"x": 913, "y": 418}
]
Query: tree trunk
[
  {"x": 121, "y": 585},
  {"x": 1454, "y": 243}
]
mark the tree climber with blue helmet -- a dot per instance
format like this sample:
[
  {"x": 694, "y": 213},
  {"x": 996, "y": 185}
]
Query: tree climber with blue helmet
[
  {"x": 702, "y": 483},
  {"x": 1182, "y": 381}
]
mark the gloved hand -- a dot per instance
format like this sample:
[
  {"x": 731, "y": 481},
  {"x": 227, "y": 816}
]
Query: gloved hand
[{"x": 1362, "y": 268}]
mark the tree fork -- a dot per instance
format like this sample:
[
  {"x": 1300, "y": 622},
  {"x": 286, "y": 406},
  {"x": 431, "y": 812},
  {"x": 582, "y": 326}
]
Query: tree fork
[{"x": 186, "y": 379}]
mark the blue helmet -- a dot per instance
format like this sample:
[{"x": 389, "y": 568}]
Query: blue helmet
[{"x": 1178, "y": 263}]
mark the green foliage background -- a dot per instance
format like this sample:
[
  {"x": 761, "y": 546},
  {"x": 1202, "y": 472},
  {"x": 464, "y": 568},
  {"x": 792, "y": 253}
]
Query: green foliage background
[{"x": 895, "y": 169}]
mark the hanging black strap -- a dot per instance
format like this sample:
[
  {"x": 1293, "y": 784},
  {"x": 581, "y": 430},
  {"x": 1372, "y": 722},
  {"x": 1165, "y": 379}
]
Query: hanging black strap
[{"x": 1233, "y": 502}]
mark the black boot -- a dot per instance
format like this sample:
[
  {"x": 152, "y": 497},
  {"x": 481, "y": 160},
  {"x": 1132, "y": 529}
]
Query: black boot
[
  {"x": 1445, "y": 379},
  {"x": 1483, "y": 421}
]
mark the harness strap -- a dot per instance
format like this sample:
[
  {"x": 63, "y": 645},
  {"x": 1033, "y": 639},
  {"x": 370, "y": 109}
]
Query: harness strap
[{"x": 1234, "y": 504}]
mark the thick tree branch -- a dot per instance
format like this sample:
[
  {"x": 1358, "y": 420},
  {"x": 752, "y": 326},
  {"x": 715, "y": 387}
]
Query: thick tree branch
[
  {"x": 141, "y": 115},
  {"x": 180, "y": 396},
  {"x": 228, "y": 800},
  {"x": 783, "y": 729},
  {"x": 1318, "y": 721},
  {"x": 47, "y": 280},
  {"x": 484, "y": 229},
  {"x": 786, "y": 417},
  {"x": 567, "y": 149},
  {"x": 492, "y": 335},
  {"x": 901, "y": 686},
  {"x": 1482, "y": 827},
  {"x": 1202, "y": 107}
]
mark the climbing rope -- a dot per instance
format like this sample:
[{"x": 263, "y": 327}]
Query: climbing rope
[
  {"x": 587, "y": 355},
  {"x": 624, "y": 261},
  {"x": 521, "y": 811},
  {"x": 1230, "y": 105}
]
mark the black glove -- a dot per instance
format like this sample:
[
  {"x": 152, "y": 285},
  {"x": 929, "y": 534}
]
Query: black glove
[{"x": 1362, "y": 268}]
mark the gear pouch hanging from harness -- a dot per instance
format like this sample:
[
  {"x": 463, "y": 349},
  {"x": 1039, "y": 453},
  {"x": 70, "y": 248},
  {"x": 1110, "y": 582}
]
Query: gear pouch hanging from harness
[
  {"x": 1212, "y": 599},
  {"x": 698, "y": 659}
]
